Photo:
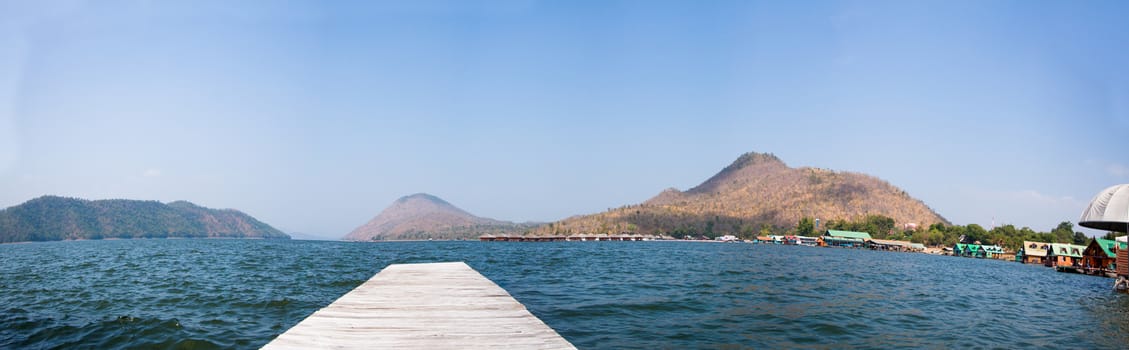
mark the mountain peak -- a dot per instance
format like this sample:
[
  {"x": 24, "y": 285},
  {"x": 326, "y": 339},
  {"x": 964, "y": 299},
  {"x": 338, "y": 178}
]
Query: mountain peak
[
  {"x": 182, "y": 204},
  {"x": 422, "y": 197},
  {"x": 423, "y": 204},
  {"x": 423, "y": 216},
  {"x": 756, "y": 191},
  {"x": 748, "y": 166},
  {"x": 753, "y": 158}
]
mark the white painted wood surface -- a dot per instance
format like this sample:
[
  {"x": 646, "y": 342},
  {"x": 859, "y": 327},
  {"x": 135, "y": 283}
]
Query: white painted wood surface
[{"x": 423, "y": 306}]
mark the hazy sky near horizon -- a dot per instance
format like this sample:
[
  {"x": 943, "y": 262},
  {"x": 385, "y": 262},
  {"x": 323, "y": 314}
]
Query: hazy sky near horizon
[{"x": 315, "y": 115}]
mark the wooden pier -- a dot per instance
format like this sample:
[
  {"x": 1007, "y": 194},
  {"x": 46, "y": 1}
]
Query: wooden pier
[
  {"x": 423, "y": 306},
  {"x": 574, "y": 238}
]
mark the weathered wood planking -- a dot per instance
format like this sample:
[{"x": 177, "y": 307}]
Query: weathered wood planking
[{"x": 423, "y": 306}]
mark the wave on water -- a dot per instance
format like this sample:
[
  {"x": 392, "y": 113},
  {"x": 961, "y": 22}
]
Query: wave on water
[{"x": 204, "y": 294}]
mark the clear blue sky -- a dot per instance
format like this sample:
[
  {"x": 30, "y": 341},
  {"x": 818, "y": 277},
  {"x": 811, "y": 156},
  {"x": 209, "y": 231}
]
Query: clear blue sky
[{"x": 315, "y": 115}]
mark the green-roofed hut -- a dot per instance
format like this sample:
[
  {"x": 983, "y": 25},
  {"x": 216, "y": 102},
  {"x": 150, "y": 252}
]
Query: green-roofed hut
[
  {"x": 977, "y": 251},
  {"x": 836, "y": 238},
  {"x": 1065, "y": 255},
  {"x": 970, "y": 250},
  {"x": 1100, "y": 256},
  {"x": 992, "y": 251}
]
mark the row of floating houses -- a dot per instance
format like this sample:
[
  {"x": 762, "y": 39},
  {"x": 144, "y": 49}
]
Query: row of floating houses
[
  {"x": 1100, "y": 257},
  {"x": 1107, "y": 211},
  {"x": 847, "y": 239},
  {"x": 573, "y": 238},
  {"x": 832, "y": 238}
]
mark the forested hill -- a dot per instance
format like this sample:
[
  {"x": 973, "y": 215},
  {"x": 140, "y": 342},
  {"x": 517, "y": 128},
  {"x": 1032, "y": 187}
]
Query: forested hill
[
  {"x": 52, "y": 218},
  {"x": 756, "y": 194}
]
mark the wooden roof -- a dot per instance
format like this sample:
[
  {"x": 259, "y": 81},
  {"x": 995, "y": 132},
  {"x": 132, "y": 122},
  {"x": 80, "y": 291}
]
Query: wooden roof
[{"x": 1031, "y": 248}]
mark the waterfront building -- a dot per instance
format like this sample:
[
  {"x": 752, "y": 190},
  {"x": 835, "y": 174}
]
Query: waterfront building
[
  {"x": 808, "y": 241},
  {"x": 838, "y": 238},
  {"x": 1122, "y": 257},
  {"x": 889, "y": 244},
  {"x": 959, "y": 249},
  {"x": 1109, "y": 211},
  {"x": 1100, "y": 256},
  {"x": 1064, "y": 255},
  {"x": 976, "y": 251},
  {"x": 727, "y": 238},
  {"x": 992, "y": 251},
  {"x": 969, "y": 250},
  {"x": 1033, "y": 253}
]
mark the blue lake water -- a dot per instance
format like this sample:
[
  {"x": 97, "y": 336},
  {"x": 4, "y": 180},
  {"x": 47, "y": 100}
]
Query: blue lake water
[{"x": 599, "y": 295}]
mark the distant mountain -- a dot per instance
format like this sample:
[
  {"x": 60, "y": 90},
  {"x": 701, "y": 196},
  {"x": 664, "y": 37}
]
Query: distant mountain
[
  {"x": 309, "y": 236},
  {"x": 755, "y": 191},
  {"x": 52, "y": 218},
  {"x": 423, "y": 216}
]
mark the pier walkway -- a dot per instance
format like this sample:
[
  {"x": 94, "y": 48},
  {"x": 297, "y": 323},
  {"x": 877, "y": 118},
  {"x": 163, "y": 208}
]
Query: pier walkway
[{"x": 423, "y": 306}]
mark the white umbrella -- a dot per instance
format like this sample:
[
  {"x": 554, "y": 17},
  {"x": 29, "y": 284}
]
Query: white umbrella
[{"x": 1109, "y": 210}]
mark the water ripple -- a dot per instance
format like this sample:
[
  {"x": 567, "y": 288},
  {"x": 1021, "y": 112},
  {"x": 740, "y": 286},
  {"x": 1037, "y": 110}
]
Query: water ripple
[{"x": 204, "y": 294}]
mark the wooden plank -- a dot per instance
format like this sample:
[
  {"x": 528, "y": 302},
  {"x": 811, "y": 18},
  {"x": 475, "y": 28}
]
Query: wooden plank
[
  {"x": 1123, "y": 262},
  {"x": 423, "y": 306}
]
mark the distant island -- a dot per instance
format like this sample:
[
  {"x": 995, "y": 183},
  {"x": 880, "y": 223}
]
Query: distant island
[
  {"x": 423, "y": 216},
  {"x": 758, "y": 194},
  {"x": 53, "y": 218}
]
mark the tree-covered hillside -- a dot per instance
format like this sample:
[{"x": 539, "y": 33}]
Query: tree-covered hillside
[{"x": 52, "y": 218}]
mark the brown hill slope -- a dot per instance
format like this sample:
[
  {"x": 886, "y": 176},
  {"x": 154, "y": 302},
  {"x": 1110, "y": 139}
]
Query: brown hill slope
[
  {"x": 423, "y": 216},
  {"x": 756, "y": 191}
]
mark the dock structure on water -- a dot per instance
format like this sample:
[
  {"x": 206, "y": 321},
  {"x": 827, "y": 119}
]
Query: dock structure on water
[
  {"x": 423, "y": 306},
  {"x": 574, "y": 238}
]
